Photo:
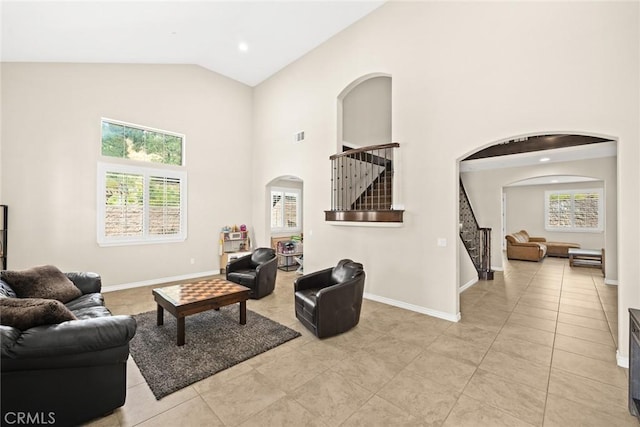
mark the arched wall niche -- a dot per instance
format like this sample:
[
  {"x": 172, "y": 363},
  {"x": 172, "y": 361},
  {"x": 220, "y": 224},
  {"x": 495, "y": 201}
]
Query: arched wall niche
[{"x": 364, "y": 112}]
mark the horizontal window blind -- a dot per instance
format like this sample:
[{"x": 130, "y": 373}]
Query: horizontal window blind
[
  {"x": 164, "y": 205},
  {"x": 124, "y": 204},
  {"x": 140, "y": 205},
  {"x": 285, "y": 210},
  {"x": 574, "y": 210}
]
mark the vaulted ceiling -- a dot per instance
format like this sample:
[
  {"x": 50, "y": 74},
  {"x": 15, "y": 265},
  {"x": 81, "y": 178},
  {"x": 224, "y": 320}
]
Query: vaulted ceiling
[{"x": 245, "y": 40}]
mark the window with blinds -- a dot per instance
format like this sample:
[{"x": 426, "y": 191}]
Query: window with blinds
[
  {"x": 140, "y": 204},
  {"x": 285, "y": 210},
  {"x": 574, "y": 210}
]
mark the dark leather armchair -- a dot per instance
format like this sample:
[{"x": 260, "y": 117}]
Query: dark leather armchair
[
  {"x": 328, "y": 301},
  {"x": 256, "y": 271}
]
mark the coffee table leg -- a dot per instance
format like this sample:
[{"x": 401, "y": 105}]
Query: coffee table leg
[
  {"x": 243, "y": 312},
  {"x": 160, "y": 315},
  {"x": 180, "y": 330}
]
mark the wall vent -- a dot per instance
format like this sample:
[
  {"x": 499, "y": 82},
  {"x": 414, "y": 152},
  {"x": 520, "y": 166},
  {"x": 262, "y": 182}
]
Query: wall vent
[{"x": 298, "y": 136}]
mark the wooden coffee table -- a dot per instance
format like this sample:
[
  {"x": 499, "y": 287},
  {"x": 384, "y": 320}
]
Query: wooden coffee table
[
  {"x": 586, "y": 258},
  {"x": 191, "y": 298}
]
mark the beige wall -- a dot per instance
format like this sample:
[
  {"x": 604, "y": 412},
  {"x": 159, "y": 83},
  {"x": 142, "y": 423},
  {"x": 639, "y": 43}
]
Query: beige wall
[
  {"x": 465, "y": 76},
  {"x": 51, "y": 144},
  {"x": 366, "y": 113}
]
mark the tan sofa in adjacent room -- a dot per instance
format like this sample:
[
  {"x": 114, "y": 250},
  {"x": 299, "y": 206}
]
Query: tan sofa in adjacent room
[{"x": 521, "y": 246}]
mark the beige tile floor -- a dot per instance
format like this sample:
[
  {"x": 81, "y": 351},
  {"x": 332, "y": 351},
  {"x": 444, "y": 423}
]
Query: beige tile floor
[{"x": 536, "y": 346}]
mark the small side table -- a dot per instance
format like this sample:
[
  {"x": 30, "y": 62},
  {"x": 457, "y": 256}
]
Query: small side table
[
  {"x": 286, "y": 261},
  {"x": 586, "y": 258}
]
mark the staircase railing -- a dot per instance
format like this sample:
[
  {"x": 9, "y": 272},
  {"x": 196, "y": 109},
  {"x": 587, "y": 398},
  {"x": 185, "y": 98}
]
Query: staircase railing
[
  {"x": 476, "y": 239},
  {"x": 362, "y": 185}
]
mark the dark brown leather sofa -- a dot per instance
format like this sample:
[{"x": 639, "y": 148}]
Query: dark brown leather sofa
[
  {"x": 68, "y": 373},
  {"x": 256, "y": 271},
  {"x": 328, "y": 302}
]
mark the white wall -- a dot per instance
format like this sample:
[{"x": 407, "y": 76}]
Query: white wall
[
  {"x": 525, "y": 205},
  {"x": 51, "y": 144},
  {"x": 465, "y": 76}
]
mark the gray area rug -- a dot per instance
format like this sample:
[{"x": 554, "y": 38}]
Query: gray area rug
[{"x": 214, "y": 341}]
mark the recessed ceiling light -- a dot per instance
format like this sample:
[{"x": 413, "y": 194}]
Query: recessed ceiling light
[
  {"x": 544, "y": 159},
  {"x": 554, "y": 181},
  {"x": 243, "y": 47}
]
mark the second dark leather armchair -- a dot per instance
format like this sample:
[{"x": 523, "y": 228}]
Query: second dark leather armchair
[
  {"x": 328, "y": 301},
  {"x": 256, "y": 271}
]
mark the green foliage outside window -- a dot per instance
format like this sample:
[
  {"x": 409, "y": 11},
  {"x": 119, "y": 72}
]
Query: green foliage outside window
[{"x": 128, "y": 142}]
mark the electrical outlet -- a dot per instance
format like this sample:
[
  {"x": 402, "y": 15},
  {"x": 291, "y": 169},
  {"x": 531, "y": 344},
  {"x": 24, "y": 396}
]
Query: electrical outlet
[
  {"x": 442, "y": 242},
  {"x": 192, "y": 260}
]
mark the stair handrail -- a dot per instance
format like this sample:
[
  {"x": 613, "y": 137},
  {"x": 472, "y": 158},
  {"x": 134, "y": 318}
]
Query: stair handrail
[
  {"x": 481, "y": 241},
  {"x": 363, "y": 149}
]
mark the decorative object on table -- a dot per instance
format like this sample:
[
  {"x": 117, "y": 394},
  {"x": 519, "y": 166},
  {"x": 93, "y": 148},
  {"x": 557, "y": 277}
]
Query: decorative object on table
[
  {"x": 216, "y": 342},
  {"x": 243, "y": 227}
]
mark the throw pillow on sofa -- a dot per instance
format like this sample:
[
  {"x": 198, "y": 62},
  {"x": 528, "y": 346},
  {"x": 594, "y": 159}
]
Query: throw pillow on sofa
[
  {"x": 44, "y": 281},
  {"x": 25, "y": 313}
]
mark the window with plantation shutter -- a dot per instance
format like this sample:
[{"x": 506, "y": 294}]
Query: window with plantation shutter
[
  {"x": 139, "y": 204},
  {"x": 285, "y": 210},
  {"x": 123, "y": 204},
  {"x": 164, "y": 206},
  {"x": 574, "y": 210}
]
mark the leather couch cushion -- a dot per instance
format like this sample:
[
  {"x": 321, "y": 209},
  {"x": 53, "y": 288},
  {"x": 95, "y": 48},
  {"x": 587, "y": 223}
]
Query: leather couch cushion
[
  {"x": 262, "y": 255},
  {"x": 345, "y": 270},
  {"x": 41, "y": 282},
  {"x": 26, "y": 313},
  {"x": 88, "y": 300},
  {"x": 306, "y": 303},
  {"x": 242, "y": 277}
]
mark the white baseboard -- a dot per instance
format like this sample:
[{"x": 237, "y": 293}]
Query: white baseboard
[
  {"x": 497, "y": 268},
  {"x": 610, "y": 282},
  {"x": 131, "y": 285},
  {"x": 467, "y": 285},
  {"x": 411, "y": 307},
  {"x": 623, "y": 361}
]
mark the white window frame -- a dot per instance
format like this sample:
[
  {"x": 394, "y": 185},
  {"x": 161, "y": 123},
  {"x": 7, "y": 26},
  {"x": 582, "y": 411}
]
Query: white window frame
[
  {"x": 572, "y": 228},
  {"x": 146, "y": 172},
  {"x": 284, "y": 191}
]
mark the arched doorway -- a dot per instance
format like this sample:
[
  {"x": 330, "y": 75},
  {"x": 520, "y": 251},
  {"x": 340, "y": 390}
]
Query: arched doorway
[
  {"x": 284, "y": 197},
  {"x": 537, "y": 160}
]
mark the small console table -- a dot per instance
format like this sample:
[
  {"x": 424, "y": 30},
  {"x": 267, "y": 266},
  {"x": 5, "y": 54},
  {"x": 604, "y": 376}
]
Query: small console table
[{"x": 586, "y": 258}]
